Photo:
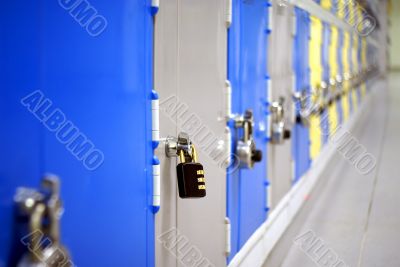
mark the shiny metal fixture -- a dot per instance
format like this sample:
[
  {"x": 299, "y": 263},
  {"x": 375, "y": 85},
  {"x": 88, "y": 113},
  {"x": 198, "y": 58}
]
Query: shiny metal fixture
[{"x": 246, "y": 150}]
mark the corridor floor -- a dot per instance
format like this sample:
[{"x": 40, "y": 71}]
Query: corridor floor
[{"x": 353, "y": 218}]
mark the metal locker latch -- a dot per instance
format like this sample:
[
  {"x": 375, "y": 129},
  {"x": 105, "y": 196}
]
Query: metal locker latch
[
  {"x": 304, "y": 110},
  {"x": 279, "y": 133},
  {"x": 326, "y": 94},
  {"x": 43, "y": 208},
  {"x": 339, "y": 86},
  {"x": 190, "y": 173},
  {"x": 246, "y": 150}
]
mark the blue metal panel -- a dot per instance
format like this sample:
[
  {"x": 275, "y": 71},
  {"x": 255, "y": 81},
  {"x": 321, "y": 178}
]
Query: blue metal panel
[
  {"x": 102, "y": 84},
  {"x": 247, "y": 39},
  {"x": 20, "y": 135},
  {"x": 326, "y": 40},
  {"x": 301, "y": 135}
]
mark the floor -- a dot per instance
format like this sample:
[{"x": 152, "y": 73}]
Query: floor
[{"x": 352, "y": 219}]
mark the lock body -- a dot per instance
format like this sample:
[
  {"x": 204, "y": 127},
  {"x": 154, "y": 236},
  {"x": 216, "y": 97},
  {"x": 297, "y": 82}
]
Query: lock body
[
  {"x": 279, "y": 133},
  {"x": 246, "y": 150},
  {"x": 191, "y": 183},
  {"x": 190, "y": 173},
  {"x": 301, "y": 100},
  {"x": 247, "y": 153}
]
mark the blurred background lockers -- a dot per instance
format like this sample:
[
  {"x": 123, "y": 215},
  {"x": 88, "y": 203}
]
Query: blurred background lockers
[{"x": 95, "y": 97}]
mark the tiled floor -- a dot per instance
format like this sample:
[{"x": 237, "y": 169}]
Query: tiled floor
[{"x": 351, "y": 216}]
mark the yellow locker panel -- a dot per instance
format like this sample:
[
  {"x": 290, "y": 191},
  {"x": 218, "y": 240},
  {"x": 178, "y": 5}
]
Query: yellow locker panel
[
  {"x": 346, "y": 70},
  {"x": 333, "y": 69},
  {"x": 315, "y": 50}
]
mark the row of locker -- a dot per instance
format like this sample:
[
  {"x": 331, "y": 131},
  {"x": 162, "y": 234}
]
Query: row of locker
[
  {"x": 256, "y": 86},
  {"x": 269, "y": 63}
]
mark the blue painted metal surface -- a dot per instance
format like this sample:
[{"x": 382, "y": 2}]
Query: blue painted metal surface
[
  {"x": 102, "y": 84},
  {"x": 247, "y": 46},
  {"x": 301, "y": 66}
]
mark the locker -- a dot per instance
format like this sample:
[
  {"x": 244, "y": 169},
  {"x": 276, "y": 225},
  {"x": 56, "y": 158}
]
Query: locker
[
  {"x": 346, "y": 63},
  {"x": 354, "y": 56},
  {"x": 362, "y": 55},
  {"x": 301, "y": 139},
  {"x": 364, "y": 62},
  {"x": 334, "y": 108},
  {"x": 315, "y": 53},
  {"x": 247, "y": 73},
  {"x": 281, "y": 74},
  {"x": 340, "y": 69},
  {"x": 101, "y": 82},
  {"x": 190, "y": 75},
  {"x": 327, "y": 116}
]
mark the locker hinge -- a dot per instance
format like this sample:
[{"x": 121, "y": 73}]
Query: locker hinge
[
  {"x": 228, "y": 17},
  {"x": 228, "y": 100},
  {"x": 155, "y": 136},
  {"x": 270, "y": 18},
  {"x": 228, "y": 116},
  {"x": 155, "y": 119},
  {"x": 269, "y": 100},
  {"x": 228, "y": 144},
  {"x": 155, "y": 6},
  {"x": 227, "y": 237},
  {"x": 294, "y": 106}
]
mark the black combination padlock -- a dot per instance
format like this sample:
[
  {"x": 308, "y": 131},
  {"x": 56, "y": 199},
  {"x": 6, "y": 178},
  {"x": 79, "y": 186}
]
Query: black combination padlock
[{"x": 191, "y": 183}]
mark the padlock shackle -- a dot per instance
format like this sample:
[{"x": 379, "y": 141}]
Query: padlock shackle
[
  {"x": 194, "y": 153},
  {"x": 52, "y": 183},
  {"x": 182, "y": 157},
  {"x": 35, "y": 228}
]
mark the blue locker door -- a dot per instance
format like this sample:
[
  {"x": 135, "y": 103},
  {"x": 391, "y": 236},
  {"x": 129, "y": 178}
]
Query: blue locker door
[
  {"x": 301, "y": 136},
  {"x": 247, "y": 46},
  {"x": 88, "y": 66},
  {"x": 20, "y": 135}
]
